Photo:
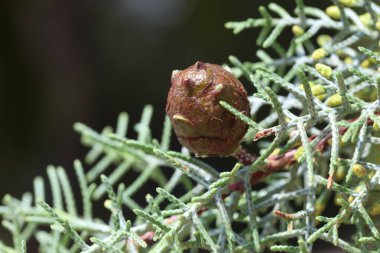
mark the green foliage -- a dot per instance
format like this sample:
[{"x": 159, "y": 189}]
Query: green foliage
[{"x": 319, "y": 140}]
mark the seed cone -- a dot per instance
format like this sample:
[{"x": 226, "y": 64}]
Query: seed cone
[{"x": 201, "y": 124}]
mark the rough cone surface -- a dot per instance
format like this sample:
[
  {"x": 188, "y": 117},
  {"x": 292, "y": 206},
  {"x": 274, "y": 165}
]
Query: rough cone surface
[{"x": 201, "y": 124}]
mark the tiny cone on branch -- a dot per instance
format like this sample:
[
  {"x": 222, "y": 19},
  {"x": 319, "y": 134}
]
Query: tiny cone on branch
[{"x": 200, "y": 123}]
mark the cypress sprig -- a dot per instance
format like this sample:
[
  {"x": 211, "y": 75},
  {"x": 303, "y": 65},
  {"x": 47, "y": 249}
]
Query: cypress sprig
[{"x": 317, "y": 142}]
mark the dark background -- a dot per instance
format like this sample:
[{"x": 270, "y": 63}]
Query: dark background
[{"x": 63, "y": 61}]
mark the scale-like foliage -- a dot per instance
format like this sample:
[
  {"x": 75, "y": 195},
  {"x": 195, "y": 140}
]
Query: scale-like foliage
[{"x": 325, "y": 95}]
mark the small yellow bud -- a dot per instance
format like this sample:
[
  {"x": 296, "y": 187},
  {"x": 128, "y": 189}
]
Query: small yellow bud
[
  {"x": 276, "y": 151},
  {"x": 297, "y": 30},
  {"x": 348, "y": 60},
  {"x": 350, "y": 199},
  {"x": 377, "y": 25},
  {"x": 318, "y": 54},
  {"x": 359, "y": 188},
  {"x": 375, "y": 209},
  {"x": 108, "y": 204},
  {"x": 337, "y": 196},
  {"x": 340, "y": 173},
  {"x": 333, "y": 11},
  {"x": 334, "y": 101},
  {"x": 376, "y": 127},
  {"x": 341, "y": 142},
  {"x": 318, "y": 89},
  {"x": 298, "y": 154},
  {"x": 366, "y": 19},
  {"x": 321, "y": 97},
  {"x": 324, "y": 70},
  {"x": 323, "y": 39},
  {"x": 359, "y": 170},
  {"x": 349, "y": 3},
  {"x": 365, "y": 64}
]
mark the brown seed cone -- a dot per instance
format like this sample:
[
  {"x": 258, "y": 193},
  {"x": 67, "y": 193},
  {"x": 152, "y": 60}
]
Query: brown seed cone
[{"x": 201, "y": 124}]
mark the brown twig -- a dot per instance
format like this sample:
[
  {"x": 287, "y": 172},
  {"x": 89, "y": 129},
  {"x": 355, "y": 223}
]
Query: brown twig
[{"x": 244, "y": 156}]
